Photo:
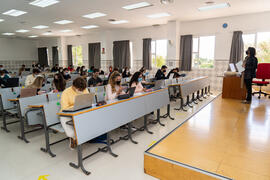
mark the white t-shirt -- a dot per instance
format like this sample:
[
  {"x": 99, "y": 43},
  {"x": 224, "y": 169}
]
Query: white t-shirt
[{"x": 109, "y": 94}]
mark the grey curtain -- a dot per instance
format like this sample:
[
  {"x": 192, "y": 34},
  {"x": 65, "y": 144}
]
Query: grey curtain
[
  {"x": 237, "y": 48},
  {"x": 121, "y": 54},
  {"x": 43, "y": 56},
  {"x": 147, "y": 55},
  {"x": 186, "y": 52},
  {"x": 69, "y": 53},
  {"x": 55, "y": 58},
  {"x": 94, "y": 56}
]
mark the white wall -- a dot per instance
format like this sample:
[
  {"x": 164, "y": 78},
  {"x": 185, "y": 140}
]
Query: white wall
[{"x": 15, "y": 49}]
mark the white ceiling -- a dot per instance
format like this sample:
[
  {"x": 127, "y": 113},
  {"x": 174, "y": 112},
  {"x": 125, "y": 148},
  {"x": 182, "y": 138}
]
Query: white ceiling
[{"x": 183, "y": 10}]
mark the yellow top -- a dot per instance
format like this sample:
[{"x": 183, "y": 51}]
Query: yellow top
[{"x": 68, "y": 97}]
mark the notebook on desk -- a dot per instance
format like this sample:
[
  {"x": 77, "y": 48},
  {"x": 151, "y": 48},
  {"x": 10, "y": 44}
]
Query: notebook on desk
[{"x": 81, "y": 102}]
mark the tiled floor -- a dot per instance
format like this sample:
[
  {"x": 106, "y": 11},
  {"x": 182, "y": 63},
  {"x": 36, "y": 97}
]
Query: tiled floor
[{"x": 21, "y": 161}]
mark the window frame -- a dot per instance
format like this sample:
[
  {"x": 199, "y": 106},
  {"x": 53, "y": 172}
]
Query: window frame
[
  {"x": 154, "y": 65},
  {"x": 198, "y": 52}
]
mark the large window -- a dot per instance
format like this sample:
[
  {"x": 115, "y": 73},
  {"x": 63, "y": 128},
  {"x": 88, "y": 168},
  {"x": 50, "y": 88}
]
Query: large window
[
  {"x": 203, "y": 52},
  {"x": 77, "y": 55},
  {"x": 159, "y": 52},
  {"x": 261, "y": 41}
]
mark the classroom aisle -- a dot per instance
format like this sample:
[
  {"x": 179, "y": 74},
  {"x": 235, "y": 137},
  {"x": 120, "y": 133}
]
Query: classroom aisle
[
  {"x": 225, "y": 138},
  {"x": 20, "y": 161}
]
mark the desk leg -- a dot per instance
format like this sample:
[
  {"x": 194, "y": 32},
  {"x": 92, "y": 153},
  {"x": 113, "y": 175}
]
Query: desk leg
[
  {"x": 198, "y": 96},
  {"x": 80, "y": 161},
  {"x": 168, "y": 113},
  {"x": 109, "y": 145},
  {"x": 4, "y": 121},
  {"x": 209, "y": 91},
  {"x": 181, "y": 105},
  {"x": 193, "y": 99},
  {"x": 145, "y": 125},
  {"x": 130, "y": 133},
  {"x": 188, "y": 102},
  {"x": 204, "y": 93},
  {"x": 22, "y": 137},
  {"x": 158, "y": 118}
]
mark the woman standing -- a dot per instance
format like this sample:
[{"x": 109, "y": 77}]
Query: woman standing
[{"x": 250, "y": 72}]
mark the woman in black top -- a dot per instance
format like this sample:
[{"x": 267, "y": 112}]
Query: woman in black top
[
  {"x": 126, "y": 73},
  {"x": 250, "y": 72}
]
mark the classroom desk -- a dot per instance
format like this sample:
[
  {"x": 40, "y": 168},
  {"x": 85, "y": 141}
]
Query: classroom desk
[{"x": 96, "y": 121}]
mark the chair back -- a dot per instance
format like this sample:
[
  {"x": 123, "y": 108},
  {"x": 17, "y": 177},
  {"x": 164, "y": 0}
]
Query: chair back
[{"x": 263, "y": 71}]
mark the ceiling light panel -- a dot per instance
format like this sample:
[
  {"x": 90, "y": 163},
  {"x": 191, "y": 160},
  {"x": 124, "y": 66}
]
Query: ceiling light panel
[
  {"x": 8, "y": 34},
  {"x": 1, "y": 20},
  {"x": 215, "y": 6},
  {"x": 90, "y": 27},
  {"x": 66, "y": 31},
  {"x": 119, "y": 22},
  {"x": 14, "y": 12},
  {"x": 44, "y": 3},
  {"x": 137, "y": 6},
  {"x": 41, "y": 27},
  {"x": 47, "y": 33},
  {"x": 22, "y": 31},
  {"x": 32, "y": 36},
  {"x": 159, "y": 15},
  {"x": 94, "y": 15},
  {"x": 63, "y": 22}
]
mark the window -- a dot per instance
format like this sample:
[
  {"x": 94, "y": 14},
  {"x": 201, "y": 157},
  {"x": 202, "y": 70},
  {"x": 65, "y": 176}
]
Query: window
[
  {"x": 203, "y": 52},
  {"x": 77, "y": 55},
  {"x": 261, "y": 41},
  {"x": 159, "y": 52},
  {"x": 131, "y": 54}
]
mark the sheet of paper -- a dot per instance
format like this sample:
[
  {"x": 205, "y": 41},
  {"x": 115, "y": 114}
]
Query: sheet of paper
[
  {"x": 239, "y": 66},
  {"x": 232, "y": 67}
]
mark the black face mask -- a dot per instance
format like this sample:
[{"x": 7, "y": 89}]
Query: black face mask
[
  {"x": 164, "y": 71},
  {"x": 118, "y": 82}
]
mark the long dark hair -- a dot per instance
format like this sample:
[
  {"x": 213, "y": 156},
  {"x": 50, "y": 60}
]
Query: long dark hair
[
  {"x": 252, "y": 51},
  {"x": 135, "y": 78},
  {"x": 59, "y": 82}
]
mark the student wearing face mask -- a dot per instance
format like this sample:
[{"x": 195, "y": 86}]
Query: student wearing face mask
[
  {"x": 31, "y": 78},
  {"x": 66, "y": 74},
  {"x": 136, "y": 81},
  {"x": 126, "y": 73},
  {"x": 3, "y": 78},
  {"x": 161, "y": 73},
  {"x": 114, "y": 87},
  {"x": 67, "y": 101}
]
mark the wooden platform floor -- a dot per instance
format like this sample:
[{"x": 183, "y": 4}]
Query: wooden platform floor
[{"x": 225, "y": 138}]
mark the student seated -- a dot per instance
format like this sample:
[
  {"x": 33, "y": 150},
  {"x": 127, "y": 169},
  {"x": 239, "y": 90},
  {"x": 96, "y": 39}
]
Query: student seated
[
  {"x": 126, "y": 73},
  {"x": 31, "y": 78},
  {"x": 66, "y": 74},
  {"x": 67, "y": 101},
  {"x": 136, "y": 81},
  {"x": 3, "y": 78},
  {"x": 161, "y": 73},
  {"x": 175, "y": 73},
  {"x": 59, "y": 83},
  {"x": 37, "y": 84},
  {"x": 3, "y": 69},
  {"x": 21, "y": 70},
  {"x": 95, "y": 80},
  {"x": 70, "y": 68},
  {"x": 114, "y": 87},
  {"x": 55, "y": 68}
]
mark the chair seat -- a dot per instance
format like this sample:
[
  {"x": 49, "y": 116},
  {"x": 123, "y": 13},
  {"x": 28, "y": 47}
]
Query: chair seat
[
  {"x": 58, "y": 128},
  {"x": 261, "y": 82}
]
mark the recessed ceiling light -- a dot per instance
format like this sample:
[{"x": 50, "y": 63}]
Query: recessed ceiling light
[
  {"x": 43, "y": 3},
  {"x": 41, "y": 27},
  {"x": 94, "y": 15},
  {"x": 1, "y": 20},
  {"x": 90, "y": 27},
  {"x": 14, "y": 12},
  {"x": 159, "y": 15},
  {"x": 47, "y": 33},
  {"x": 32, "y": 36},
  {"x": 66, "y": 30},
  {"x": 22, "y": 31},
  {"x": 63, "y": 22},
  {"x": 137, "y": 6},
  {"x": 215, "y": 6},
  {"x": 8, "y": 34},
  {"x": 119, "y": 22}
]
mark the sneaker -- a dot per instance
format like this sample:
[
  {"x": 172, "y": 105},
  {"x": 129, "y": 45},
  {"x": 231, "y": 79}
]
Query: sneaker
[{"x": 72, "y": 143}]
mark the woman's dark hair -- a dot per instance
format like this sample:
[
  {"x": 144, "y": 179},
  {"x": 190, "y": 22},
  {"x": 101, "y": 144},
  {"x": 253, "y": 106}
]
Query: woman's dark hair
[
  {"x": 60, "y": 82},
  {"x": 92, "y": 68},
  {"x": 78, "y": 68},
  {"x": 95, "y": 70},
  {"x": 142, "y": 69},
  {"x": 135, "y": 78},
  {"x": 252, "y": 51},
  {"x": 79, "y": 83},
  {"x": 36, "y": 71}
]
